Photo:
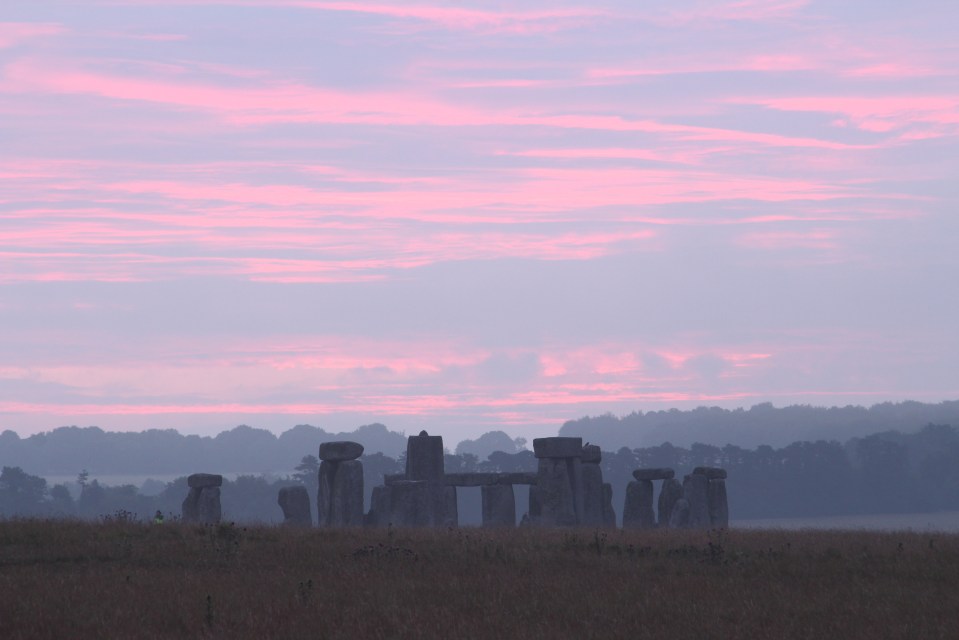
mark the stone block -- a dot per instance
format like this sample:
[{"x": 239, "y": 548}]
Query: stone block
[
  {"x": 718, "y": 504},
  {"x": 711, "y": 473},
  {"x": 201, "y": 480},
  {"x": 499, "y": 506},
  {"x": 379, "y": 515},
  {"x": 450, "y": 517},
  {"x": 592, "y": 495},
  {"x": 340, "y": 451},
  {"x": 208, "y": 505},
  {"x": 592, "y": 454},
  {"x": 556, "y": 492},
  {"x": 324, "y": 493},
  {"x": 671, "y": 491},
  {"x": 189, "y": 509},
  {"x": 638, "y": 506},
  {"x": 609, "y": 514},
  {"x": 679, "y": 518},
  {"x": 346, "y": 503},
  {"x": 295, "y": 503},
  {"x": 424, "y": 458},
  {"x": 654, "y": 474},
  {"x": 696, "y": 493},
  {"x": 558, "y": 447},
  {"x": 410, "y": 504}
]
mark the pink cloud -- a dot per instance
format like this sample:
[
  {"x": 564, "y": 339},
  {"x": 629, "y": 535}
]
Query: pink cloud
[{"x": 15, "y": 33}]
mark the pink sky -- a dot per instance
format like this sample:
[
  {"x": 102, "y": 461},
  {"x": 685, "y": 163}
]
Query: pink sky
[{"x": 471, "y": 216}]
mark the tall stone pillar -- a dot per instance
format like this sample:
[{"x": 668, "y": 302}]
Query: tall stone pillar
[
  {"x": 499, "y": 505},
  {"x": 592, "y": 487},
  {"x": 424, "y": 462},
  {"x": 671, "y": 491},
  {"x": 559, "y": 481},
  {"x": 696, "y": 493},
  {"x": 339, "y": 499}
]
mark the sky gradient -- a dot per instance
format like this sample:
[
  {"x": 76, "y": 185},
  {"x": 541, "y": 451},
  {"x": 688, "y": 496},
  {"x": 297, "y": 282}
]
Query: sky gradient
[{"x": 472, "y": 216}]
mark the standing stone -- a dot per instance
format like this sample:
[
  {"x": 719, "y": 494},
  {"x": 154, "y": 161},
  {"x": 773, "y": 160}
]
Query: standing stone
[
  {"x": 696, "y": 493},
  {"x": 451, "y": 511},
  {"x": 499, "y": 505},
  {"x": 410, "y": 504},
  {"x": 346, "y": 500},
  {"x": 609, "y": 514},
  {"x": 592, "y": 494},
  {"x": 208, "y": 506},
  {"x": 202, "y": 503},
  {"x": 718, "y": 504},
  {"x": 679, "y": 518},
  {"x": 559, "y": 480},
  {"x": 324, "y": 492},
  {"x": 379, "y": 515},
  {"x": 638, "y": 508},
  {"x": 557, "y": 505},
  {"x": 190, "y": 511},
  {"x": 340, "y": 451},
  {"x": 535, "y": 504},
  {"x": 295, "y": 502},
  {"x": 670, "y": 492},
  {"x": 424, "y": 461}
]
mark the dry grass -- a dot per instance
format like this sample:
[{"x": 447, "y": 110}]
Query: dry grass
[{"x": 79, "y": 580}]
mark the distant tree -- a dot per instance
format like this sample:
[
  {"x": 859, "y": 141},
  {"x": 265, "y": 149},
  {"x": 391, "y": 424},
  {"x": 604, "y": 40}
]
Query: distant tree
[
  {"x": 21, "y": 493},
  {"x": 61, "y": 502},
  {"x": 307, "y": 473}
]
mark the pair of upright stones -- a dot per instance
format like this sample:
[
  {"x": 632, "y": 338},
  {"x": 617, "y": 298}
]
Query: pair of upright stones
[
  {"x": 202, "y": 503},
  {"x": 569, "y": 489},
  {"x": 700, "y": 502},
  {"x": 339, "y": 499}
]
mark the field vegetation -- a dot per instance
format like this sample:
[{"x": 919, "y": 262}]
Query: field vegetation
[{"x": 124, "y": 578}]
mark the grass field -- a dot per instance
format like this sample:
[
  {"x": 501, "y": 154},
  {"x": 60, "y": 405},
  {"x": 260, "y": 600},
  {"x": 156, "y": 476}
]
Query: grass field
[{"x": 131, "y": 580}]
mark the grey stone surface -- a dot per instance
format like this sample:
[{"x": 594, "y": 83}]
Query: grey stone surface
[
  {"x": 679, "y": 518},
  {"x": 324, "y": 493},
  {"x": 424, "y": 458},
  {"x": 671, "y": 491},
  {"x": 535, "y": 505},
  {"x": 208, "y": 505},
  {"x": 340, "y": 451},
  {"x": 558, "y": 447},
  {"x": 592, "y": 495},
  {"x": 638, "y": 506},
  {"x": 592, "y": 453},
  {"x": 609, "y": 514},
  {"x": 200, "y": 480},
  {"x": 556, "y": 492},
  {"x": 189, "y": 510},
  {"x": 718, "y": 504},
  {"x": 410, "y": 504},
  {"x": 295, "y": 503},
  {"x": 346, "y": 501},
  {"x": 451, "y": 511},
  {"x": 696, "y": 493},
  {"x": 654, "y": 474},
  {"x": 477, "y": 479},
  {"x": 380, "y": 511},
  {"x": 516, "y": 477},
  {"x": 499, "y": 506},
  {"x": 424, "y": 461},
  {"x": 711, "y": 473}
]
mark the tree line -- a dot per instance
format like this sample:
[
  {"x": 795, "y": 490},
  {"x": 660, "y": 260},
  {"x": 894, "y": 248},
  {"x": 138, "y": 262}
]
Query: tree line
[{"x": 889, "y": 472}]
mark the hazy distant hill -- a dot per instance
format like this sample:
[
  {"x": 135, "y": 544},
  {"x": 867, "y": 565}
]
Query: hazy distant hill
[
  {"x": 67, "y": 450},
  {"x": 761, "y": 424}
]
